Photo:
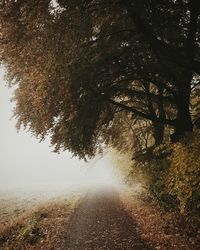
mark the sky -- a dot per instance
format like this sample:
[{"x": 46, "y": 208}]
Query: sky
[{"x": 26, "y": 162}]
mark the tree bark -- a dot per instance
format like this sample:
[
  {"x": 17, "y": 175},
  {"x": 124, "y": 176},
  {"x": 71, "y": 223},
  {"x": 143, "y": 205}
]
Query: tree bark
[
  {"x": 159, "y": 128},
  {"x": 158, "y": 133},
  {"x": 183, "y": 122}
]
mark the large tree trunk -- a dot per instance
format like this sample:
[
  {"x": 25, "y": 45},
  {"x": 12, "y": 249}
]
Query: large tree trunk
[
  {"x": 183, "y": 123},
  {"x": 158, "y": 133},
  {"x": 159, "y": 128}
]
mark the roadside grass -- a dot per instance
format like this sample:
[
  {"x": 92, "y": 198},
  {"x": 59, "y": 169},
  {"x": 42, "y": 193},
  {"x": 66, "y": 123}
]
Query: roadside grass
[
  {"x": 43, "y": 228},
  {"x": 165, "y": 229}
]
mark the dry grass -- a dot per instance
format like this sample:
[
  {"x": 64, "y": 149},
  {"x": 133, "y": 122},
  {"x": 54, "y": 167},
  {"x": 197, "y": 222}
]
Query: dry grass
[
  {"x": 165, "y": 230},
  {"x": 43, "y": 228}
]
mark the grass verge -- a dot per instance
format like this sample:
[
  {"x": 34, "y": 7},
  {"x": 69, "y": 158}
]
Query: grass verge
[
  {"x": 164, "y": 229},
  {"x": 43, "y": 228}
]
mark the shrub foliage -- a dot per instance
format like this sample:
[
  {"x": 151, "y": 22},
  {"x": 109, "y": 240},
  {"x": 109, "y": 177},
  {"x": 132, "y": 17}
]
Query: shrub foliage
[{"x": 183, "y": 178}]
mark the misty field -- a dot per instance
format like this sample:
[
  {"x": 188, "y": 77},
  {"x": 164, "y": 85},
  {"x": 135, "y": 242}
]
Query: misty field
[
  {"x": 16, "y": 202},
  {"x": 36, "y": 218}
]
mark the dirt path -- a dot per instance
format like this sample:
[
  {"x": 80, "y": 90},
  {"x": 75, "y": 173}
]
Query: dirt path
[{"x": 100, "y": 222}]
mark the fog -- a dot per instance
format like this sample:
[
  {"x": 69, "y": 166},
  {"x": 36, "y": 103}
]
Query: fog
[{"x": 24, "y": 162}]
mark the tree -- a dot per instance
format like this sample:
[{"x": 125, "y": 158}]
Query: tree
[{"x": 78, "y": 63}]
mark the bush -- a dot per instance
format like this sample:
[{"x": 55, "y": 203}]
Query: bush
[
  {"x": 173, "y": 174},
  {"x": 183, "y": 179},
  {"x": 156, "y": 185}
]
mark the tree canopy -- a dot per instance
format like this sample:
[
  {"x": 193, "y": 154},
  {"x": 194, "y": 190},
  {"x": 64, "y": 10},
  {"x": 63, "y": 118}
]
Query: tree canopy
[{"x": 82, "y": 66}]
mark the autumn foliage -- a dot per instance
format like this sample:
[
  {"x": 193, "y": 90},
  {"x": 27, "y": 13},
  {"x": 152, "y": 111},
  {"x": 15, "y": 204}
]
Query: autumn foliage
[
  {"x": 124, "y": 74},
  {"x": 183, "y": 178}
]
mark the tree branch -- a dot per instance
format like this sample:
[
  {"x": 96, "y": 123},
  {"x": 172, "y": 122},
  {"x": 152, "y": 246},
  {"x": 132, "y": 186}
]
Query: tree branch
[
  {"x": 110, "y": 34},
  {"x": 194, "y": 86},
  {"x": 134, "y": 93},
  {"x": 139, "y": 113},
  {"x": 190, "y": 43},
  {"x": 159, "y": 46}
]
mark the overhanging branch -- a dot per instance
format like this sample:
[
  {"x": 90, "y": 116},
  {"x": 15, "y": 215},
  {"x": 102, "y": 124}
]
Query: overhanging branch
[
  {"x": 139, "y": 113},
  {"x": 159, "y": 46}
]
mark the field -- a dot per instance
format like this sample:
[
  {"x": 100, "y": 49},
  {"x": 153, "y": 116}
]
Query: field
[
  {"x": 16, "y": 202},
  {"x": 35, "y": 218}
]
